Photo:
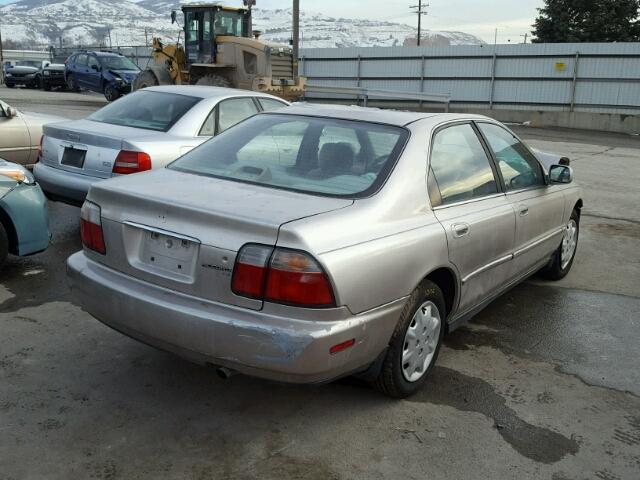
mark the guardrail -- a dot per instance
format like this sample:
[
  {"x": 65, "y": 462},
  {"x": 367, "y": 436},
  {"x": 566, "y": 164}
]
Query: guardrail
[{"x": 366, "y": 93}]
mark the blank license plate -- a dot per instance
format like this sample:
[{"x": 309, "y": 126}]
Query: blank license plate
[{"x": 73, "y": 157}]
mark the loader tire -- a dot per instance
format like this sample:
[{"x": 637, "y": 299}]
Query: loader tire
[{"x": 145, "y": 79}]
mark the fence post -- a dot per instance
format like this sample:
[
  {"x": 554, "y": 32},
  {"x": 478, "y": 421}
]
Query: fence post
[
  {"x": 493, "y": 80},
  {"x": 422, "y": 78},
  {"x": 358, "y": 78},
  {"x": 575, "y": 81}
]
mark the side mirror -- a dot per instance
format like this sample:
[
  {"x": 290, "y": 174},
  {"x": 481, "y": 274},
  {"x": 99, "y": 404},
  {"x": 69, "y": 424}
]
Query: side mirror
[
  {"x": 95, "y": 67},
  {"x": 173, "y": 16},
  {"x": 11, "y": 112},
  {"x": 560, "y": 174}
]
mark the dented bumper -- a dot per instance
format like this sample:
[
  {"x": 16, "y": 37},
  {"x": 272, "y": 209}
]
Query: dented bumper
[{"x": 274, "y": 343}]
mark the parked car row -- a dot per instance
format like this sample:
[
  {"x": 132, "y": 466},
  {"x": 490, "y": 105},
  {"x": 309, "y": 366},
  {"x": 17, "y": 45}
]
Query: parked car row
[
  {"x": 108, "y": 73},
  {"x": 302, "y": 243}
]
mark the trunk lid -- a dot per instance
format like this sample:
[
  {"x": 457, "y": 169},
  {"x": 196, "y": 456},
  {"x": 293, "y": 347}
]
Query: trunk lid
[
  {"x": 98, "y": 145},
  {"x": 183, "y": 231}
]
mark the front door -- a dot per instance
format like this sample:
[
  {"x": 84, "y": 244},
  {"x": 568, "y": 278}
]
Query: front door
[
  {"x": 94, "y": 74},
  {"x": 538, "y": 218},
  {"x": 468, "y": 201},
  {"x": 15, "y": 142}
]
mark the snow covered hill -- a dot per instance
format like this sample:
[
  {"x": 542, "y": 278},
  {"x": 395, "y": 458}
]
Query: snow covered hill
[{"x": 39, "y": 23}]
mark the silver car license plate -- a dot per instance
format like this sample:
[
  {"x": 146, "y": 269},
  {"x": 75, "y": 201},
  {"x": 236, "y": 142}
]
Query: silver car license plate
[{"x": 169, "y": 253}]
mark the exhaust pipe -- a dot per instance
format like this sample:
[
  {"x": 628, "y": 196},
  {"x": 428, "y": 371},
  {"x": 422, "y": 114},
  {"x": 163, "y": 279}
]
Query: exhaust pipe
[{"x": 224, "y": 373}]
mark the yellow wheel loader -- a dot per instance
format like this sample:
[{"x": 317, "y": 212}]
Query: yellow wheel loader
[{"x": 220, "y": 49}]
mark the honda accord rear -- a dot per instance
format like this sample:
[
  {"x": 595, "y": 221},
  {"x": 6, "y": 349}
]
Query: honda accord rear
[{"x": 203, "y": 258}]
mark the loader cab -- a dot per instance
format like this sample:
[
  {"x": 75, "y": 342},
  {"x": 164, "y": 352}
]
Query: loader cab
[{"x": 203, "y": 23}]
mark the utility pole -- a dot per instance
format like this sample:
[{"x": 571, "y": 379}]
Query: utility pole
[
  {"x": 1, "y": 60},
  {"x": 420, "y": 9},
  {"x": 296, "y": 30},
  {"x": 526, "y": 35}
]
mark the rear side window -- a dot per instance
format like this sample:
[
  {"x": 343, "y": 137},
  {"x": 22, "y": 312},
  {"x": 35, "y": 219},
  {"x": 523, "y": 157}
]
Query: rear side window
[
  {"x": 459, "y": 166},
  {"x": 234, "y": 111},
  {"x": 519, "y": 168},
  {"x": 306, "y": 154},
  {"x": 269, "y": 104},
  {"x": 146, "y": 109}
]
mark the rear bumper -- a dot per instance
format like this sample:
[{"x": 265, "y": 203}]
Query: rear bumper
[
  {"x": 54, "y": 81},
  {"x": 63, "y": 186},
  {"x": 256, "y": 343}
]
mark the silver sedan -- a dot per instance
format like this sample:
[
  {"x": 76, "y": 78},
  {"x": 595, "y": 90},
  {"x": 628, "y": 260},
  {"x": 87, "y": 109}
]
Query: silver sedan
[
  {"x": 141, "y": 131},
  {"x": 317, "y": 242}
]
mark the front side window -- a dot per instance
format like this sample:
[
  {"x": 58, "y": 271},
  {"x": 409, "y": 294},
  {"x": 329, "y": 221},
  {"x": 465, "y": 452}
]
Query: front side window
[
  {"x": 146, "y": 109},
  {"x": 92, "y": 61},
  {"x": 294, "y": 152},
  {"x": 519, "y": 168},
  {"x": 234, "y": 111},
  {"x": 81, "y": 59},
  {"x": 460, "y": 169}
]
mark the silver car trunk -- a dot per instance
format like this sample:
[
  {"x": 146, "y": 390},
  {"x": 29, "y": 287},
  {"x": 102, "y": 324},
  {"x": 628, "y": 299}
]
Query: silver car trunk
[
  {"x": 101, "y": 149},
  {"x": 183, "y": 231}
]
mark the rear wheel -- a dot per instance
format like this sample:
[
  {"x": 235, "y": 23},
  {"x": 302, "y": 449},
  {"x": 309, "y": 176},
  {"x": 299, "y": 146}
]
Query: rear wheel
[
  {"x": 415, "y": 343},
  {"x": 562, "y": 259},
  {"x": 213, "y": 80},
  {"x": 71, "y": 84},
  {"x": 4, "y": 245},
  {"x": 145, "y": 79}
]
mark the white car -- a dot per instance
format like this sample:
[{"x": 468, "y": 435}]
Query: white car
[{"x": 146, "y": 129}]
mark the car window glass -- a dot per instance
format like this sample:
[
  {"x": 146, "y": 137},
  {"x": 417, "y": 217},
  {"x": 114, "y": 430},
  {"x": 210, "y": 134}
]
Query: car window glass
[
  {"x": 118, "y": 63},
  {"x": 209, "y": 126},
  {"x": 234, "y": 111},
  {"x": 518, "y": 166},
  {"x": 81, "y": 59},
  {"x": 460, "y": 167},
  {"x": 92, "y": 61},
  {"x": 146, "y": 109},
  {"x": 269, "y": 104},
  {"x": 284, "y": 151}
]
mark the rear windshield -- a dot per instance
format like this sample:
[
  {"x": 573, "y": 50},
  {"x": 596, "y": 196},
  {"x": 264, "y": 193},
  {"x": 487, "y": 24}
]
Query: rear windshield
[
  {"x": 145, "y": 109},
  {"x": 313, "y": 155},
  {"x": 117, "y": 63}
]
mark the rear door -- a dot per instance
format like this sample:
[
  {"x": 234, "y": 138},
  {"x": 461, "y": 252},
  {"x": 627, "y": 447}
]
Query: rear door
[
  {"x": 479, "y": 221},
  {"x": 15, "y": 143},
  {"x": 539, "y": 208}
]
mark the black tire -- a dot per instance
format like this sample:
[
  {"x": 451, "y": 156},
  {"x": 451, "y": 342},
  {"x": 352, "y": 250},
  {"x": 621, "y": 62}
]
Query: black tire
[
  {"x": 555, "y": 270},
  {"x": 213, "y": 80},
  {"x": 38, "y": 83},
  {"x": 9, "y": 85},
  {"x": 4, "y": 245},
  {"x": 46, "y": 87},
  {"x": 71, "y": 84},
  {"x": 391, "y": 381},
  {"x": 145, "y": 79},
  {"x": 110, "y": 93}
]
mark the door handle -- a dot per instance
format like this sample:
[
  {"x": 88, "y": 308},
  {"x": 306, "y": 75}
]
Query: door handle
[
  {"x": 460, "y": 229},
  {"x": 524, "y": 210}
]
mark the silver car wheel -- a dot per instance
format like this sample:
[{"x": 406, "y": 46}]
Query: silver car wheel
[
  {"x": 569, "y": 243},
  {"x": 421, "y": 341}
]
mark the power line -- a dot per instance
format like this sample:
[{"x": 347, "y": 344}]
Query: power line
[{"x": 420, "y": 9}]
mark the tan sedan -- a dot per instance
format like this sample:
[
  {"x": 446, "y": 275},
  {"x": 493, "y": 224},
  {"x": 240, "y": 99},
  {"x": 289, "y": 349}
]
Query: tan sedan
[{"x": 20, "y": 134}]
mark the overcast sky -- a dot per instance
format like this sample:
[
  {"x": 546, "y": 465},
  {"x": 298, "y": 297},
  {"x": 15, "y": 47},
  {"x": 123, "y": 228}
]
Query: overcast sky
[{"x": 513, "y": 18}]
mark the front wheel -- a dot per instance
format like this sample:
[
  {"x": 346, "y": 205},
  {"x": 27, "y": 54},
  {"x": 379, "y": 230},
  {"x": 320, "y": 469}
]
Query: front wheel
[
  {"x": 415, "y": 343},
  {"x": 110, "y": 93},
  {"x": 145, "y": 79},
  {"x": 71, "y": 84},
  {"x": 562, "y": 259}
]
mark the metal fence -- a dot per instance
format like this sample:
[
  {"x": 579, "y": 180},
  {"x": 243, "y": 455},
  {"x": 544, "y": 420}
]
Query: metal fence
[{"x": 565, "y": 77}]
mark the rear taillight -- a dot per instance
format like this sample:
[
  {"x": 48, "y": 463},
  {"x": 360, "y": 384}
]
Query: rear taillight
[
  {"x": 91, "y": 227},
  {"x": 131, "y": 162},
  {"x": 281, "y": 275},
  {"x": 40, "y": 147}
]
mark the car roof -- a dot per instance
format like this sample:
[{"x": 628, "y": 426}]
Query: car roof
[
  {"x": 202, "y": 91},
  {"x": 374, "y": 115}
]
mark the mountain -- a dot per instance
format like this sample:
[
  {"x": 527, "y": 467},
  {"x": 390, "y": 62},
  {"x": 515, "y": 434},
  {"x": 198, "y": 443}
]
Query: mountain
[{"x": 39, "y": 23}]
